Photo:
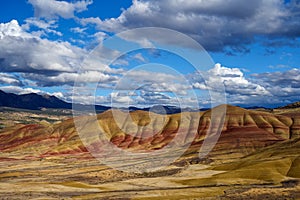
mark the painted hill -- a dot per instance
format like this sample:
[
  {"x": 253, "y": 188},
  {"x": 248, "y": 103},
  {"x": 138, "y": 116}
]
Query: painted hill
[
  {"x": 243, "y": 133},
  {"x": 256, "y": 157},
  {"x": 270, "y": 173}
]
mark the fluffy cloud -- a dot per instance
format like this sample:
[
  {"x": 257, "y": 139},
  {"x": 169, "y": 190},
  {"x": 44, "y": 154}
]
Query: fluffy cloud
[
  {"x": 23, "y": 52},
  {"x": 284, "y": 78},
  {"x": 284, "y": 86},
  {"x": 146, "y": 76},
  {"x": 121, "y": 98},
  {"x": 78, "y": 30},
  {"x": 12, "y": 29},
  {"x": 9, "y": 79},
  {"x": 149, "y": 81},
  {"x": 70, "y": 78},
  {"x": 217, "y": 24},
  {"x": 155, "y": 98},
  {"x": 45, "y": 26},
  {"x": 87, "y": 99},
  {"x": 49, "y": 63},
  {"x": 268, "y": 89},
  {"x": 238, "y": 88},
  {"x": 52, "y": 8},
  {"x": 233, "y": 80}
]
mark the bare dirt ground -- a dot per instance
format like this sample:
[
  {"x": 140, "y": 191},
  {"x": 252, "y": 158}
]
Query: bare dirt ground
[{"x": 71, "y": 178}]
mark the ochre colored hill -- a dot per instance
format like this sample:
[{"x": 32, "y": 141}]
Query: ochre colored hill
[
  {"x": 256, "y": 156},
  {"x": 243, "y": 132},
  {"x": 276, "y": 164},
  {"x": 270, "y": 173}
]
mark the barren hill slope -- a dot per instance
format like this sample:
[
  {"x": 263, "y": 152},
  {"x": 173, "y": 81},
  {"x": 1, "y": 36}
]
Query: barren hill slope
[
  {"x": 254, "y": 157},
  {"x": 243, "y": 132}
]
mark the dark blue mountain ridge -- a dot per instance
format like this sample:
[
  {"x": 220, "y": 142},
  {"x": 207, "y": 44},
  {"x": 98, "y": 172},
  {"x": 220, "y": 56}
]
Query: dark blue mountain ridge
[{"x": 35, "y": 101}]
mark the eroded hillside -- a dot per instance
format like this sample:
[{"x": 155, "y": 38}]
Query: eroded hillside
[{"x": 256, "y": 156}]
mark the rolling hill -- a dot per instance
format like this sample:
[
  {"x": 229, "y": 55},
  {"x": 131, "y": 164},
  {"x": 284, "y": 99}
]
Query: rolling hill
[
  {"x": 243, "y": 132},
  {"x": 255, "y": 157}
]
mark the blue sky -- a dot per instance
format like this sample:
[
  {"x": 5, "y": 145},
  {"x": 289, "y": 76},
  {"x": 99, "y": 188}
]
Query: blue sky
[{"x": 250, "y": 52}]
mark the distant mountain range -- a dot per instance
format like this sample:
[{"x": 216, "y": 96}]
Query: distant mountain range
[
  {"x": 292, "y": 105},
  {"x": 35, "y": 101},
  {"x": 32, "y": 101}
]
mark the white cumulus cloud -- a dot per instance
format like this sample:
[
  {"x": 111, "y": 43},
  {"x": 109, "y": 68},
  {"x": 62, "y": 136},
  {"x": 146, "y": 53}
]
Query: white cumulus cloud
[{"x": 52, "y": 8}]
